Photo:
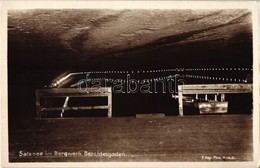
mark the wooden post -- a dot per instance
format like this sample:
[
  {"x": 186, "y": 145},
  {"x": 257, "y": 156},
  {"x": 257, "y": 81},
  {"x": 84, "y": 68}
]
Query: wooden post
[
  {"x": 216, "y": 97},
  {"x": 64, "y": 106},
  {"x": 180, "y": 97},
  {"x": 38, "y": 105},
  {"x": 109, "y": 103},
  {"x": 222, "y": 97}
]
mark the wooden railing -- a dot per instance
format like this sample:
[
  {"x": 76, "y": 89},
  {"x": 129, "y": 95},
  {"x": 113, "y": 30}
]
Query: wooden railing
[
  {"x": 216, "y": 89},
  {"x": 73, "y": 92}
]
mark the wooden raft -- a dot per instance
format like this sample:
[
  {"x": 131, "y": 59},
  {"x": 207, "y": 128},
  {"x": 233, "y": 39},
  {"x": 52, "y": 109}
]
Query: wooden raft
[
  {"x": 73, "y": 92},
  {"x": 216, "y": 89}
]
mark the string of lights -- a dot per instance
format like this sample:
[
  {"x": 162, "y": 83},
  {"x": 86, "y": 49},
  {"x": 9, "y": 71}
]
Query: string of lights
[
  {"x": 226, "y": 79},
  {"x": 182, "y": 72},
  {"x": 188, "y": 76},
  {"x": 170, "y": 70}
]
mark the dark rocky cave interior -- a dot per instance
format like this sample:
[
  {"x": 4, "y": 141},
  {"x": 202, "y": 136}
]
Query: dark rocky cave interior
[{"x": 44, "y": 43}]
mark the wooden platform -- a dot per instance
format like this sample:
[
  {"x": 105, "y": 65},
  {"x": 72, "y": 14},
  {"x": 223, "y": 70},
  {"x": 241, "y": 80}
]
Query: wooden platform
[
  {"x": 216, "y": 89},
  {"x": 188, "y": 138}
]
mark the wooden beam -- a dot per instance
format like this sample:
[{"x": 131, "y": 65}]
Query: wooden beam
[
  {"x": 63, "y": 94},
  {"x": 77, "y": 90},
  {"x": 180, "y": 99},
  {"x": 109, "y": 103},
  {"x": 222, "y": 99},
  {"x": 213, "y": 107},
  {"x": 150, "y": 115},
  {"x": 217, "y": 88},
  {"x": 74, "y": 108}
]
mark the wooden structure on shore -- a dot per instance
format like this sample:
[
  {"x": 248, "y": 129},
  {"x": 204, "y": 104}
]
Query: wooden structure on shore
[
  {"x": 205, "y": 89},
  {"x": 73, "y": 92}
]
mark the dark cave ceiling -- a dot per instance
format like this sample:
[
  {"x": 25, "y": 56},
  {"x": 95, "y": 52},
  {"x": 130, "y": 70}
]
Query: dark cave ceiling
[{"x": 121, "y": 38}]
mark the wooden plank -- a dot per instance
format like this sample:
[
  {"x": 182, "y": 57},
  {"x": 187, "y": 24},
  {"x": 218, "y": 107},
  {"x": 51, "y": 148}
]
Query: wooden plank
[
  {"x": 48, "y": 95},
  {"x": 213, "y": 107},
  {"x": 76, "y": 90},
  {"x": 109, "y": 102},
  {"x": 180, "y": 99},
  {"x": 151, "y": 115},
  {"x": 222, "y": 97},
  {"x": 216, "y": 88},
  {"x": 74, "y": 108}
]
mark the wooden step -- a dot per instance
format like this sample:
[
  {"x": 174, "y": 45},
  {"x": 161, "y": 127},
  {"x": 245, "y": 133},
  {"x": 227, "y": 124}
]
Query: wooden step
[{"x": 151, "y": 115}]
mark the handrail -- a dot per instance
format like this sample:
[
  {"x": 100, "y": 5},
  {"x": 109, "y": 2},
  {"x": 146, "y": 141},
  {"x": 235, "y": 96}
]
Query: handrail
[{"x": 72, "y": 92}]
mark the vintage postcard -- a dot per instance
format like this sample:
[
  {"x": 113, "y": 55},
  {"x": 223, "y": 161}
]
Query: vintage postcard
[{"x": 129, "y": 84}]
